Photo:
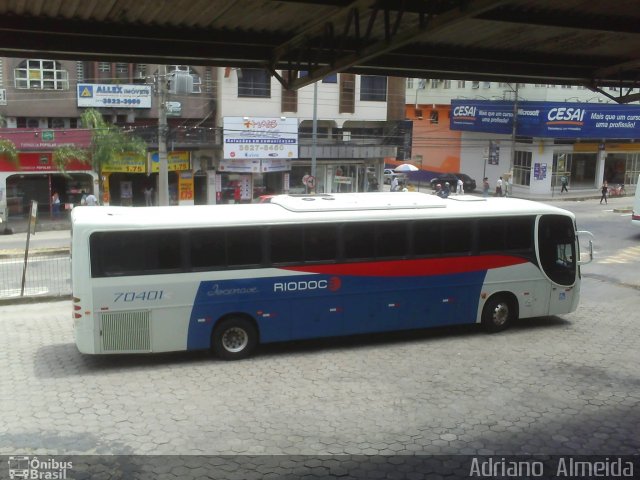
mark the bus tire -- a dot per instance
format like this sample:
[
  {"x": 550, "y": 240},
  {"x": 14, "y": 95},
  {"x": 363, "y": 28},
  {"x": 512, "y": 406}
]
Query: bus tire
[
  {"x": 234, "y": 338},
  {"x": 497, "y": 314}
]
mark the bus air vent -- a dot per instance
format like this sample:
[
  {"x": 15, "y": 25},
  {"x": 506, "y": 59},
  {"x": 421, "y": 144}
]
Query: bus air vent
[{"x": 126, "y": 332}]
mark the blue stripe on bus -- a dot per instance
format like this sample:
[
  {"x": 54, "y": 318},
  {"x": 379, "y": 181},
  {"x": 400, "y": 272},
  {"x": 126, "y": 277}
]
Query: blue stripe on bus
[{"x": 317, "y": 305}]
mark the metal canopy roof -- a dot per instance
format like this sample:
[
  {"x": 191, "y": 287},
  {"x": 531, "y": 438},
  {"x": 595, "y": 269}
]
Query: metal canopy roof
[{"x": 594, "y": 43}]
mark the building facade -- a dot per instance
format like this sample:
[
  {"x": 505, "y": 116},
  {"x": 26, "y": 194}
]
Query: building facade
[
  {"x": 359, "y": 123},
  {"x": 533, "y": 160}
]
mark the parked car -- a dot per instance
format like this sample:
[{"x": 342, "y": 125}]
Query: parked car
[
  {"x": 468, "y": 182},
  {"x": 389, "y": 175}
]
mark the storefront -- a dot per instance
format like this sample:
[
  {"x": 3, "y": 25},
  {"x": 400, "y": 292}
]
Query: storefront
[
  {"x": 35, "y": 176},
  {"x": 587, "y": 143},
  {"x": 126, "y": 179}
]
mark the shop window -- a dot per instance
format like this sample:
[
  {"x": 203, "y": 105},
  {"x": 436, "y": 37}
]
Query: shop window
[
  {"x": 41, "y": 75},
  {"x": 433, "y": 116},
  {"x": 522, "y": 168}
]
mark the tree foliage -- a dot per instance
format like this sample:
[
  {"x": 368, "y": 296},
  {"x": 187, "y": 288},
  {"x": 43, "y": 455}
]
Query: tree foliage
[
  {"x": 107, "y": 141},
  {"x": 8, "y": 150}
]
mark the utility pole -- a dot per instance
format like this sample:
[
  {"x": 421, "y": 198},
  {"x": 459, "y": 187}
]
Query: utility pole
[
  {"x": 314, "y": 133},
  {"x": 514, "y": 127},
  {"x": 163, "y": 172}
]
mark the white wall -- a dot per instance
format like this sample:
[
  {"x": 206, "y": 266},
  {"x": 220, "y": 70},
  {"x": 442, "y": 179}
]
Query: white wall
[
  {"x": 442, "y": 95},
  {"x": 230, "y": 105}
]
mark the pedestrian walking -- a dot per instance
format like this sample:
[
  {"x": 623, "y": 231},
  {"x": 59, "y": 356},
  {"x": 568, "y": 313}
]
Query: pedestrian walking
[
  {"x": 148, "y": 196},
  {"x": 55, "y": 203},
  {"x": 499, "y": 187},
  {"x": 485, "y": 187},
  {"x": 565, "y": 182},
  {"x": 605, "y": 190},
  {"x": 460, "y": 187}
]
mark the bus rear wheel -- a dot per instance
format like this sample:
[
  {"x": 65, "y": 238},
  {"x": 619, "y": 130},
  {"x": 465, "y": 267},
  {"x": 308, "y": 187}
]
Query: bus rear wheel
[
  {"x": 497, "y": 314},
  {"x": 234, "y": 338}
]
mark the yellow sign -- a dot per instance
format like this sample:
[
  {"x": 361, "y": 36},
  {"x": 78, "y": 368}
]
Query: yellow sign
[
  {"x": 176, "y": 161},
  {"x": 185, "y": 187},
  {"x": 126, "y": 163}
]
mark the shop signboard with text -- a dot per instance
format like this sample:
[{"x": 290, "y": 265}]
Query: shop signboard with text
[
  {"x": 39, "y": 162},
  {"x": 176, "y": 161},
  {"x": 28, "y": 139},
  {"x": 547, "y": 119},
  {"x": 105, "y": 95},
  {"x": 260, "y": 137},
  {"x": 125, "y": 163}
]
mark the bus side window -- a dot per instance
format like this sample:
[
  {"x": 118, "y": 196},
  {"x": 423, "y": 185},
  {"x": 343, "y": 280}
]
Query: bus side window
[
  {"x": 207, "y": 249},
  {"x": 358, "y": 240},
  {"x": 286, "y": 244},
  {"x": 244, "y": 247},
  {"x": 320, "y": 243},
  {"x": 391, "y": 240},
  {"x": 457, "y": 236},
  {"x": 427, "y": 238}
]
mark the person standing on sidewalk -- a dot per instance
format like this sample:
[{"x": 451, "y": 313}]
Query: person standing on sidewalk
[{"x": 604, "y": 189}]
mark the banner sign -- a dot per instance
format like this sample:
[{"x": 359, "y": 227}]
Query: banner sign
[
  {"x": 260, "y": 137},
  {"x": 125, "y": 163},
  {"x": 176, "y": 161},
  {"x": 239, "y": 166},
  {"x": 275, "y": 165},
  {"x": 105, "y": 95},
  {"x": 547, "y": 119}
]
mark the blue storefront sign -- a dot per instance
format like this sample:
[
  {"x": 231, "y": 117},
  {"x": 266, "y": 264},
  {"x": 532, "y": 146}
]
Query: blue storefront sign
[{"x": 547, "y": 119}]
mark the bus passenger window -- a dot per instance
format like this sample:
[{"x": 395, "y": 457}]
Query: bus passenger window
[
  {"x": 358, "y": 240},
  {"x": 320, "y": 243},
  {"x": 207, "y": 248},
  {"x": 427, "y": 238},
  {"x": 457, "y": 237},
  {"x": 391, "y": 239},
  {"x": 244, "y": 247},
  {"x": 285, "y": 244}
]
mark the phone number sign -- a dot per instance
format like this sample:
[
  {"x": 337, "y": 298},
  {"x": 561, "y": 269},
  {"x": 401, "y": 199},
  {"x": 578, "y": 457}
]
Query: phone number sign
[
  {"x": 260, "y": 137},
  {"x": 103, "y": 95}
]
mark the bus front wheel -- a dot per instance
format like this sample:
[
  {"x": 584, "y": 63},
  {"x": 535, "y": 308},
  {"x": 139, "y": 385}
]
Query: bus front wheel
[
  {"x": 234, "y": 338},
  {"x": 497, "y": 313}
]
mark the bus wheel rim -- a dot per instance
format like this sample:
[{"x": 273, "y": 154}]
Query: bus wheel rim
[
  {"x": 500, "y": 314},
  {"x": 235, "y": 340}
]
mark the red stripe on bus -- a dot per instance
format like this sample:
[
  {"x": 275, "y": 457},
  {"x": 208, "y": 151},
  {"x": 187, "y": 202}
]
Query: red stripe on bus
[{"x": 412, "y": 268}]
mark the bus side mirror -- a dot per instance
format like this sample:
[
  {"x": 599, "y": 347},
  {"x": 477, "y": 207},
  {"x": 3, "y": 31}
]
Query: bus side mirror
[{"x": 590, "y": 235}]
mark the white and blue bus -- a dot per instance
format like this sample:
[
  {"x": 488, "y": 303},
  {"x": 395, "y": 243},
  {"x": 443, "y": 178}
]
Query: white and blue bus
[{"x": 229, "y": 277}]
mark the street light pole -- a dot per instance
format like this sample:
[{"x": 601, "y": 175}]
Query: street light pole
[{"x": 163, "y": 172}]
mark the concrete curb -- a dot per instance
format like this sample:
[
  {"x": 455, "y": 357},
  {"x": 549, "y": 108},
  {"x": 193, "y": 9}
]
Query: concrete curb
[
  {"x": 33, "y": 299},
  {"x": 36, "y": 252}
]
